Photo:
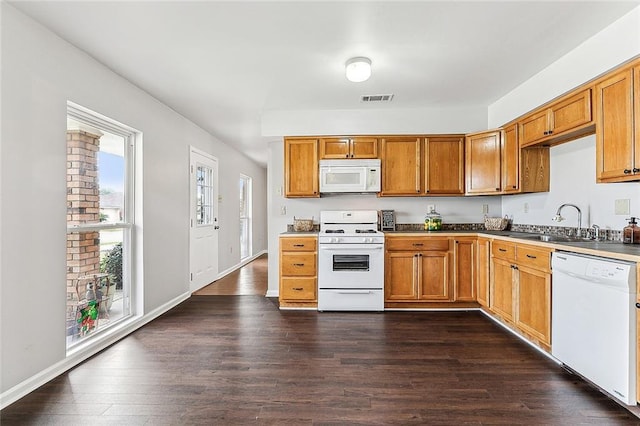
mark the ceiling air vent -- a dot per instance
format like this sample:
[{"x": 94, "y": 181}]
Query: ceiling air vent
[{"x": 376, "y": 98}]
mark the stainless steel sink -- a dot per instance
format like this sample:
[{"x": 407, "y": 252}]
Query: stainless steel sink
[{"x": 556, "y": 238}]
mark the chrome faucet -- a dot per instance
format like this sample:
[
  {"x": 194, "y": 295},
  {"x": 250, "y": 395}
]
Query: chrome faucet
[
  {"x": 559, "y": 218},
  {"x": 595, "y": 232}
]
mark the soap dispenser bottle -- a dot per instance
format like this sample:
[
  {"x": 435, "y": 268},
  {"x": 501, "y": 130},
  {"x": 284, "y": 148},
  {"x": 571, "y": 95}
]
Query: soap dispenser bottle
[{"x": 631, "y": 232}]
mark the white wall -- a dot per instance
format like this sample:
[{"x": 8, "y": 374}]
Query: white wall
[
  {"x": 573, "y": 177},
  {"x": 40, "y": 73}
]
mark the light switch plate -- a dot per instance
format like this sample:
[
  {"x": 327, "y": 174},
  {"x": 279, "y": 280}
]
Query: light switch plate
[{"x": 622, "y": 207}]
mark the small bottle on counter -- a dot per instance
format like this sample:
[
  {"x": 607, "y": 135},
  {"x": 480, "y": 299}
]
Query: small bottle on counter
[{"x": 631, "y": 232}]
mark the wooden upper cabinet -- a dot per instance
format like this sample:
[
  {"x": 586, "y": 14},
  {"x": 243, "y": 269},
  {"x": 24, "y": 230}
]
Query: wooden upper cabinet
[
  {"x": 444, "y": 165},
  {"x": 558, "y": 120},
  {"x": 483, "y": 162},
  {"x": 347, "y": 147},
  {"x": 400, "y": 166},
  {"x": 510, "y": 160},
  {"x": 617, "y": 153},
  {"x": 301, "y": 168},
  {"x": 364, "y": 147}
]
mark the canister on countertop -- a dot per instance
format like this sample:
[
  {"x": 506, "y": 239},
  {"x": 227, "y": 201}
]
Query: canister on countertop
[
  {"x": 433, "y": 221},
  {"x": 631, "y": 232}
]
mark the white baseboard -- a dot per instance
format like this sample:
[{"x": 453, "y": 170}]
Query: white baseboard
[
  {"x": 83, "y": 352},
  {"x": 272, "y": 293}
]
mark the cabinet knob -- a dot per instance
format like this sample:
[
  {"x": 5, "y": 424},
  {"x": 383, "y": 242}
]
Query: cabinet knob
[
  {"x": 531, "y": 256},
  {"x": 638, "y": 305},
  {"x": 298, "y": 264},
  {"x": 497, "y": 189},
  {"x": 636, "y": 170},
  {"x": 346, "y": 156},
  {"x": 513, "y": 186},
  {"x": 627, "y": 171},
  {"x": 546, "y": 133},
  {"x": 550, "y": 132},
  {"x": 297, "y": 288}
]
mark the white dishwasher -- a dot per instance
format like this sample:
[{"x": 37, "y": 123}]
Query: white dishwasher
[{"x": 593, "y": 320}]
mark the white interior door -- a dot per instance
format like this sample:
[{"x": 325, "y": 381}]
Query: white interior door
[{"x": 203, "y": 246}]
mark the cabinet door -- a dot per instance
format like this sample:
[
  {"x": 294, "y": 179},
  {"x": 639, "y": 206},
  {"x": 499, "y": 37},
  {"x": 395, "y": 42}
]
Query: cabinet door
[
  {"x": 434, "y": 277},
  {"x": 614, "y": 128},
  {"x": 400, "y": 282},
  {"x": 510, "y": 160},
  {"x": 444, "y": 165},
  {"x": 571, "y": 113},
  {"x": 534, "y": 303},
  {"x": 301, "y": 168},
  {"x": 534, "y": 128},
  {"x": 336, "y": 148},
  {"x": 401, "y": 166},
  {"x": 483, "y": 163},
  {"x": 363, "y": 147},
  {"x": 502, "y": 289},
  {"x": 482, "y": 271},
  {"x": 465, "y": 269}
]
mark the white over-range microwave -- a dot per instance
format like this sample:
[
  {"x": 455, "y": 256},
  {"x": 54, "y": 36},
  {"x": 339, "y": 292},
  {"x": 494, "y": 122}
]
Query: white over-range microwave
[{"x": 350, "y": 175}]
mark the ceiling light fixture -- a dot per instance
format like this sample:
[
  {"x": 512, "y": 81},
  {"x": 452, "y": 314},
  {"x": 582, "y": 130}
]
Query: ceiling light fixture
[{"x": 358, "y": 69}]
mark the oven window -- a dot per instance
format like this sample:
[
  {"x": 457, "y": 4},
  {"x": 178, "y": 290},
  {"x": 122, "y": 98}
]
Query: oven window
[{"x": 350, "y": 262}]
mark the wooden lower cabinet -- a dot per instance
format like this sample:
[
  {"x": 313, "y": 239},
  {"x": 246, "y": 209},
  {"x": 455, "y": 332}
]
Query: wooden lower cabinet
[
  {"x": 502, "y": 289},
  {"x": 534, "y": 303},
  {"x": 418, "y": 269},
  {"x": 465, "y": 266},
  {"x": 298, "y": 271},
  {"x": 483, "y": 270},
  {"x": 520, "y": 290}
]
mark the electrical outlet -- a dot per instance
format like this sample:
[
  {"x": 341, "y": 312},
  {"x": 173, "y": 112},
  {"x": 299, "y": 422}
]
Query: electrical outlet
[
  {"x": 431, "y": 207},
  {"x": 622, "y": 207},
  {"x": 526, "y": 207},
  {"x": 485, "y": 208},
  {"x": 283, "y": 210}
]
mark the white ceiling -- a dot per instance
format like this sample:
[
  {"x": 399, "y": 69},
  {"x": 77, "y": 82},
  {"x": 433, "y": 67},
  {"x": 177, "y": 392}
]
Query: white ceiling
[{"x": 223, "y": 64}]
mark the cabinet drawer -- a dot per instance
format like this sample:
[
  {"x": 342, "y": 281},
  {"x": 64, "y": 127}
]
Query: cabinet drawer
[
  {"x": 298, "y": 244},
  {"x": 417, "y": 244},
  {"x": 298, "y": 289},
  {"x": 298, "y": 264},
  {"x": 503, "y": 250},
  {"x": 533, "y": 257}
]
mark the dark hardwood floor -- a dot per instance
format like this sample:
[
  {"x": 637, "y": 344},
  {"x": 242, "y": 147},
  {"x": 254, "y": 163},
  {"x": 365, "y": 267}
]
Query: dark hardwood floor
[
  {"x": 248, "y": 280},
  {"x": 240, "y": 360}
]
